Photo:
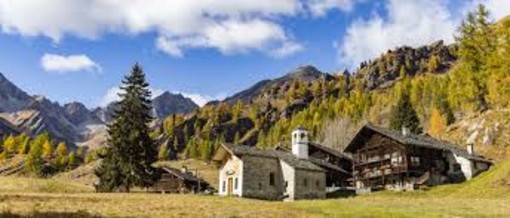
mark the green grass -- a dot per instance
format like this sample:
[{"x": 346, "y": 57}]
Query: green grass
[
  {"x": 35, "y": 185},
  {"x": 486, "y": 196}
]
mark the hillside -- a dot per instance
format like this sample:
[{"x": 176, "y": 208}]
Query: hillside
[{"x": 265, "y": 113}]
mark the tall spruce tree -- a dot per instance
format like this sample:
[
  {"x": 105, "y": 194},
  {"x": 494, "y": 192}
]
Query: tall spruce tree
[
  {"x": 404, "y": 115},
  {"x": 130, "y": 151}
]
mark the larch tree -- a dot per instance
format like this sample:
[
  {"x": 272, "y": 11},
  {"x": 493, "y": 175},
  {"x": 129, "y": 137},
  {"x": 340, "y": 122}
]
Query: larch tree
[
  {"x": 130, "y": 151},
  {"x": 437, "y": 124},
  {"x": 47, "y": 149}
]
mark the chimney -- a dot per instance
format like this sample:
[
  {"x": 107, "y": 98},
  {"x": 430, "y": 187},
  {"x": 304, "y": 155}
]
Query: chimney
[
  {"x": 405, "y": 131},
  {"x": 300, "y": 143},
  {"x": 470, "y": 149}
]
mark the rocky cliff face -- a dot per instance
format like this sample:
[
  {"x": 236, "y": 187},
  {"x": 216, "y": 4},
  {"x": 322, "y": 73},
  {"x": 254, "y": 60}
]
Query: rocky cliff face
[
  {"x": 11, "y": 97},
  {"x": 167, "y": 104},
  {"x": 435, "y": 58},
  {"x": 263, "y": 89}
]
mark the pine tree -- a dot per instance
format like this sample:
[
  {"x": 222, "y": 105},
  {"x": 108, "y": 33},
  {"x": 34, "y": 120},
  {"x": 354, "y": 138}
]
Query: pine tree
[
  {"x": 403, "y": 115},
  {"x": 130, "y": 151}
]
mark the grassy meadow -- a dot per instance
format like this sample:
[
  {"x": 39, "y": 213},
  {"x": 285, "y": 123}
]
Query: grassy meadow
[{"x": 488, "y": 195}]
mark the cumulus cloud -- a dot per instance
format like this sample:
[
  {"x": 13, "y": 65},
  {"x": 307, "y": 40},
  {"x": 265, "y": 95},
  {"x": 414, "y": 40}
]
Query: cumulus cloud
[
  {"x": 498, "y": 8},
  {"x": 412, "y": 23},
  {"x": 232, "y": 37},
  {"x": 229, "y": 26},
  {"x": 320, "y": 7},
  {"x": 201, "y": 99},
  {"x": 112, "y": 95},
  {"x": 71, "y": 63}
]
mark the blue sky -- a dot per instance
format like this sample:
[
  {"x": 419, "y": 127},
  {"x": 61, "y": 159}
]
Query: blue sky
[{"x": 80, "y": 50}]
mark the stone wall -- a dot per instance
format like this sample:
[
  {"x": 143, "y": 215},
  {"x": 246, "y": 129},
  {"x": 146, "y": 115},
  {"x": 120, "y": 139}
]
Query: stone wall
[
  {"x": 256, "y": 183},
  {"x": 309, "y": 184}
]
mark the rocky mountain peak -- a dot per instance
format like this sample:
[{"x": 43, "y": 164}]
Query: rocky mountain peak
[{"x": 169, "y": 103}]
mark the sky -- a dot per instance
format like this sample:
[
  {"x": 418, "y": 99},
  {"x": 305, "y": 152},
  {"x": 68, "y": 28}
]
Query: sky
[{"x": 206, "y": 49}]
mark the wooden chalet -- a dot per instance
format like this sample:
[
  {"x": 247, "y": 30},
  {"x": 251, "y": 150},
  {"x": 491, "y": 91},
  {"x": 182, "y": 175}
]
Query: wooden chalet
[
  {"x": 388, "y": 159},
  {"x": 179, "y": 181}
]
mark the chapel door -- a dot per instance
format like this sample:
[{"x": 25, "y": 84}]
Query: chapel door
[{"x": 230, "y": 186}]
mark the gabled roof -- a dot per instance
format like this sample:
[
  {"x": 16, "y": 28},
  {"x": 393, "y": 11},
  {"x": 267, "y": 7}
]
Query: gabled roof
[
  {"x": 411, "y": 139},
  {"x": 242, "y": 150},
  {"x": 179, "y": 174},
  {"x": 321, "y": 162},
  {"x": 330, "y": 150}
]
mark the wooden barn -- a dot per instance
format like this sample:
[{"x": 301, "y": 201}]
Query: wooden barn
[
  {"x": 399, "y": 160},
  {"x": 179, "y": 181}
]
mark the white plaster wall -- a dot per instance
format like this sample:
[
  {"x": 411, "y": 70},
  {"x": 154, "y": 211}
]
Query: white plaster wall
[
  {"x": 233, "y": 168},
  {"x": 289, "y": 175},
  {"x": 466, "y": 165}
]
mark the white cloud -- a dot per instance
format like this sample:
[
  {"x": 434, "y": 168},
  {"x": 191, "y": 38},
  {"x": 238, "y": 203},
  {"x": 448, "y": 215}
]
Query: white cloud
[
  {"x": 412, "y": 23},
  {"x": 112, "y": 95},
  {"x": 200, "y": 99},
  {"x": 320, "y": 7},
  {"x": 71, "y": 63},
  {"x": 498, "y": 8},
  {"x": 287, "y": 49},
  {"x": 230, "y": 26},
  {"x": 232, "y": 37}
]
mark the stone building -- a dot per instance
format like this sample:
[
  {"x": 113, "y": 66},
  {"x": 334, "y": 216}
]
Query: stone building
[
  {"x": 388, "y": 159},
  {"x": 272, "y": 174}
]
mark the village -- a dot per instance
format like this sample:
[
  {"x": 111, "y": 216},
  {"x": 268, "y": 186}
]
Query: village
[{"x": 376, "y": 159}]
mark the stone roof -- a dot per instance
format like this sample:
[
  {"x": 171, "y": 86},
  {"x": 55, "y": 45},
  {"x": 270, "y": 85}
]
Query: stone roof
[
  {"x": 181, "y": 175},
  {"x": 330, "y": 150},
  {"x": 321, "y": 162},
  {"x": 293, "y": 161},
  {"x": 413, "y": 139}
]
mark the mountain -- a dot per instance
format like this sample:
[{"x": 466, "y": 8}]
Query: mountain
[
  {"x": 6, "y": 128},
  {"x": 11, "y": 97},
  {"x": 78, "y": 114},
  {"x": 37, "y": 114},
  {"x": 167, "y": 104},
  {"x": 436, "y": 58},
  {"x": 305, "y": 74},
  {"x": 163, "y": 105}
]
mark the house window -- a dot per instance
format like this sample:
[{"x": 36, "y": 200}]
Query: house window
[
  {"x": 456, "y": 167},
  {"x": 318, "y": 183},
  {"x": 415, "y": 161},
  {"x": 286, "y": 184},
  {"x": 260, "y": 186},
  {"x": 235, "y": 184},
  {"x": 224, "y": 186},
  {"x": 305, "y": 182},
  {"x": 271, "y": 179}
]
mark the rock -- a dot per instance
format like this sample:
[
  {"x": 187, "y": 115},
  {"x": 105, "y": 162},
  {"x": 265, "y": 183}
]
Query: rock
[{"x": 472, "y": 138}]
